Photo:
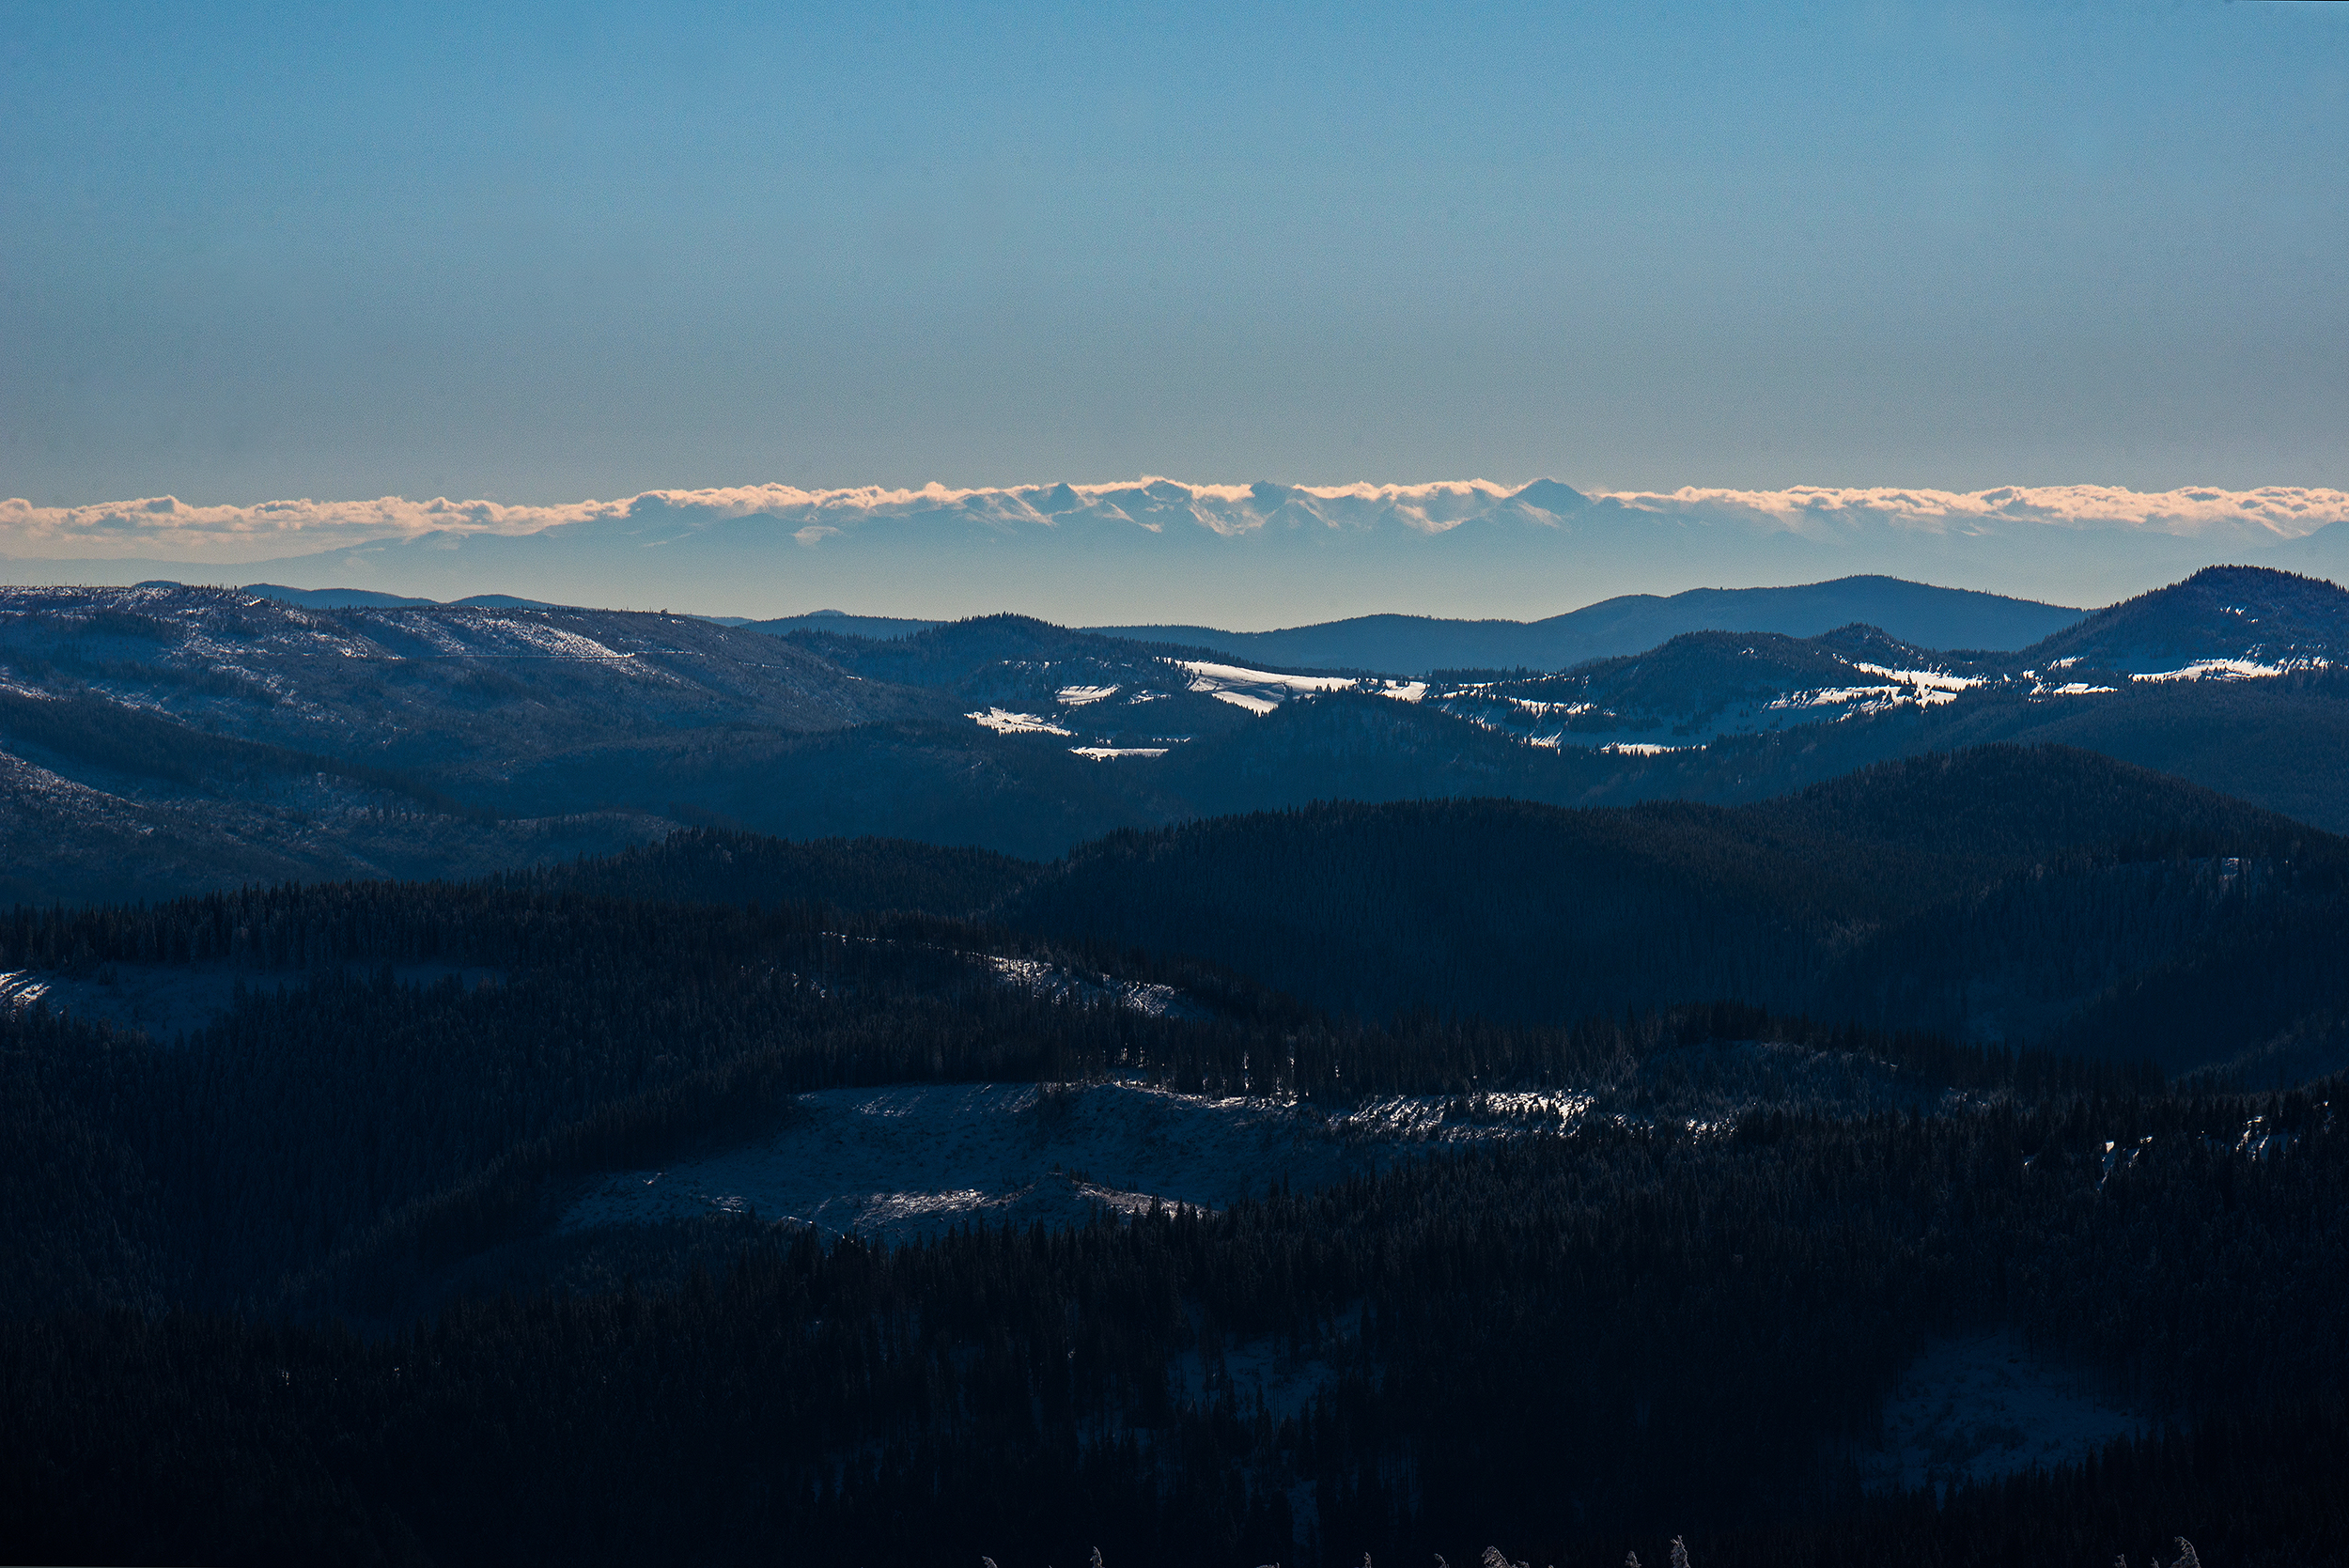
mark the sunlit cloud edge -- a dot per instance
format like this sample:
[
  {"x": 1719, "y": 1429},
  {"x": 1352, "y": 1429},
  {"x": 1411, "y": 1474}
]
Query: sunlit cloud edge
[{"x": 167, "y": 527}]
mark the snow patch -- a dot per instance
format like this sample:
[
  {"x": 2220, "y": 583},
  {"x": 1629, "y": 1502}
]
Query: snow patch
[
  {"x": 1975, "y": 1409},
  {"x": 1917, "y": 687},
  {"x": 21, "y": 988},
  {"x": 1004, "y": 722},
  {"x": 916, "y": 1159},
  {"x": 1248, "y": 700},
  {"x": 1925, "y": 680},
  {"x": 1833, "y": 696},
  {"x": 2234, "y": 669},
  {"x": 910, "y": 1161},
  {"x": 1056, "y": 984},
  {"x": 1258, "y": 691}
]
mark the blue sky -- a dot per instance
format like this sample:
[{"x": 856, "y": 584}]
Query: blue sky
[{"x": 540, "y": 254}]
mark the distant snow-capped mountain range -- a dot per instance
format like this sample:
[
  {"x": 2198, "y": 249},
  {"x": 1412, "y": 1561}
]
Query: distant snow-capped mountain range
[{"x": 1260, "y": 554}]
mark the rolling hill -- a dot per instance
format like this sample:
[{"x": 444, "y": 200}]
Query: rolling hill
[
  {"x": 665, "y": 1206},
  {"x": 1912, "y": 612},
  {"x": 169, "y": 739}
]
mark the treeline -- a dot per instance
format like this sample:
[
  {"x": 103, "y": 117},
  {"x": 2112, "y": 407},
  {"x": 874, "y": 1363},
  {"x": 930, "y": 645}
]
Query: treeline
[
  {"x": 1567, "y": 1348},
  {"x": 708, "y": 865}
]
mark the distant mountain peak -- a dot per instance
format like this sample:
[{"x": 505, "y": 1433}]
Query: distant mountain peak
[{"x": 1553, "y": 497}]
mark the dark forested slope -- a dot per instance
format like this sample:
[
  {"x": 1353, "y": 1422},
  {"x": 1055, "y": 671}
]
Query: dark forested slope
[
  {"x": 394, "y": 1077},
  {"x": 1570, "y": 1348},
  {"x": 2255, "y": 614},
  {"x": 715, "y": 866},
  {"x": 1995, "y": 893},
  {"x": 1610, "y": 1322}
]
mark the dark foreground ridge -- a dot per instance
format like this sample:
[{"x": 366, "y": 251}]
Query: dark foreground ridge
[{"x": 1629, "y": 1199}]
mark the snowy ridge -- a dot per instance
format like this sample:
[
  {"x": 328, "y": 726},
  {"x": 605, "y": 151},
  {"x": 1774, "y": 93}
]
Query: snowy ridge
[
  {"x": 2234, "y": 669},
  {"x": 1102, "y": 712},
  {"x": 1258, "y": 691},
  {"x": 277, "y": 672},
  {"x": 1005, "y": 722}
]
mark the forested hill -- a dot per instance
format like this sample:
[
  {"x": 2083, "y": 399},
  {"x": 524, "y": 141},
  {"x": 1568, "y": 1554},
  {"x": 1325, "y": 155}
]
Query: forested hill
[
  {"x": 1574, "y": 1348},
  {"x": 2002, "y": 892},
  {"x": 1948, "y": 820},
  {"x": 1912, "y": 611},
  {"x": 1603, "y": 1325},
  {"x": 2249, "y": 615},
  {"x": 164, "y": 740},
  {"x": 2014, "y": 807},
  {"x": 381, "y": 1080},
  {"x": 358, "y": 1260}
]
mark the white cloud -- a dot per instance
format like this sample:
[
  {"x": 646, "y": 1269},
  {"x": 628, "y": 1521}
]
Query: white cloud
[
  {"x": 2272, "y": 514},
  {"x": 166, "y": 528}
]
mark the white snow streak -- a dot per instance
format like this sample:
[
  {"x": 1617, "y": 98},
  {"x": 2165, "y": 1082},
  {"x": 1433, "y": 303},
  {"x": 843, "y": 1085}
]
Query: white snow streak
[{"x": 1006, "y": 722}]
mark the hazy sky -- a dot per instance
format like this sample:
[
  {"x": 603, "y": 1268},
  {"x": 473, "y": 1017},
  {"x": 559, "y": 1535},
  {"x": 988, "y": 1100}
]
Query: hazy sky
[{"x": 553, "y": 253}]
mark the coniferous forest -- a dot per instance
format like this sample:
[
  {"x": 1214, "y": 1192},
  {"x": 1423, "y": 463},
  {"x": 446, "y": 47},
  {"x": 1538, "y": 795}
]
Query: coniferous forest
[{"x": 1768, "y": 1102}]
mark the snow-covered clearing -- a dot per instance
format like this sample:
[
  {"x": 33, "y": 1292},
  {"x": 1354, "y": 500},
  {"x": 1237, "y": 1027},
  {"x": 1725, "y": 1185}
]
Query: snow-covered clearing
[
  {"x": 160, "y": 1000},
  {"x": 164, "y": 1002},
  {"x": 1262, "y": 690},
  {"x": 1923, "y": 681},
  {"x": 1004, "y": 722},
  {"x": 1055, "y": 983},
  {"x": 2233, "y": 669},
  {"x": 1976, "y": 1409},
  {"x": 916, "y": 1160},
  {"x": 1837, "y": 697},
  {"x": 1106, "y": 754},
  {"x": 1917, "y": 688}
]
